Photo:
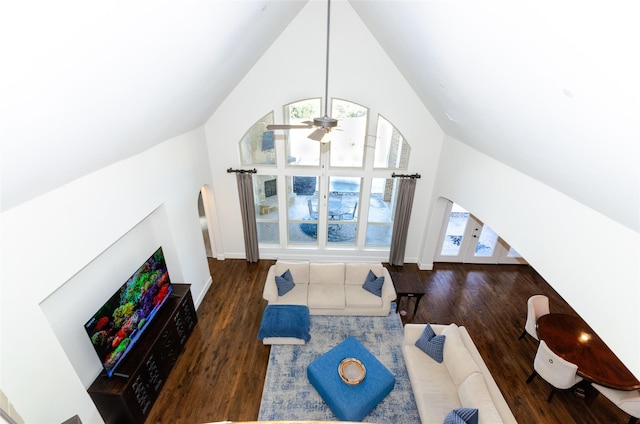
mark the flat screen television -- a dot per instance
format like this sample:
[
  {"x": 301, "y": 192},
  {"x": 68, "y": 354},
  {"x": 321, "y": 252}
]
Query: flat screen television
[
  {"x": 270, "y": 188},
  {"x": 119, "y": 323}
]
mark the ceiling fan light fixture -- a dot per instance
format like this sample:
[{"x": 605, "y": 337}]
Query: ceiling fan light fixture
[
  {"x": 325, "y": 122},
  {"x": 326, "y": 139}
]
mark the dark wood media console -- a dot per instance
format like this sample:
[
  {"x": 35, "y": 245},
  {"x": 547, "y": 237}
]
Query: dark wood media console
[{"x": 128, "y": 396}]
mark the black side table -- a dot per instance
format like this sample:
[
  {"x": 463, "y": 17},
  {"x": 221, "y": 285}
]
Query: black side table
[{"x": 407, "y": 284}]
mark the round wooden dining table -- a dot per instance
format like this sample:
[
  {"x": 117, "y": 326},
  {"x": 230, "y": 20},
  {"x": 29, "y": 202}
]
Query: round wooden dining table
[{"x": 571, "y": 338}]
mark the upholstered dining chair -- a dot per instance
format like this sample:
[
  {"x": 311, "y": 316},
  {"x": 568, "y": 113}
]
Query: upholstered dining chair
[
  {"x": 628, "y": 401},
  {"x": 537, "y": 306},
  {"x": 558, "y": 372}
]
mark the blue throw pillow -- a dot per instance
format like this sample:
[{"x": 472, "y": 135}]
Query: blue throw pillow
[
  {"x": 431, "y": 344},
  {"x": 373, "y": 284},
  {"x": 462, "y": 416},
  {"x": 287, "y": 275},
  {"x": 284, "y": 282}
]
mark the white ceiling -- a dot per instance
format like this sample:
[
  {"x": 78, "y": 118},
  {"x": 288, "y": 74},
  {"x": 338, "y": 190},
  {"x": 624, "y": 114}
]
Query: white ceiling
[
  {"x": 548, "y": 87},
  {"x": 91, "y": 83}
]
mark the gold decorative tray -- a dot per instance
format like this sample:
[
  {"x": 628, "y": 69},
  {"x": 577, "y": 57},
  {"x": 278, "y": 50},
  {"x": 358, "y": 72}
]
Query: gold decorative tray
[{"x": 351, "y": 371}]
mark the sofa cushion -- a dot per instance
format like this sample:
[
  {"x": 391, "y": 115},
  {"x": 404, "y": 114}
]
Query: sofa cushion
[
  {"x": 284, "y": 283},
  {"x": 299, "y": 270},
  {"x": 457, "y": 358},
  {"x": 373, "y": 284},
  {"x": 326, "y": 296},
  {"x": 357, "y": 297},
  {"x": 433, "y": 390},
  {"x": 462, "y": 416},
  {"x": 326, "y": 273},
  {"x": 356, "y": 272},
  {"x": 431, "y": 344},
  {"x": 473, "y": 393},
  {"x": 296, "y": 296}
]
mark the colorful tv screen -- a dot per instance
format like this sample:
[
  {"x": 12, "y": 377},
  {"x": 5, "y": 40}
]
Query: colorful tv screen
[{"x": 120, "y": 322}]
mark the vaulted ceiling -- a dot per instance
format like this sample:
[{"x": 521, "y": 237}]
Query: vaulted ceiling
[{"x": 550, "y": 88}]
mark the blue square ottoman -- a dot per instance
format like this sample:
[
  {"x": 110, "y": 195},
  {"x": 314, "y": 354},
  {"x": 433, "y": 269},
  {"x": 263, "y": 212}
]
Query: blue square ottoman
[
  {"x": 350, "y": 403},
  {"x": 285, "y": 324}
]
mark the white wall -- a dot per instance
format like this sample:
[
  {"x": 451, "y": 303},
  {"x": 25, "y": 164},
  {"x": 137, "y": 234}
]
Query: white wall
[
  {"x": 589, "y": 259},
  {"x": 66, "y": 252},
  {"x": 293, "y": 69}
]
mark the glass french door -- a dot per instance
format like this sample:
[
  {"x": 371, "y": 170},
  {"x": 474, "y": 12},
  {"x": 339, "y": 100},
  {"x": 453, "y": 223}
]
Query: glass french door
[{"x": 465, "y": 239}]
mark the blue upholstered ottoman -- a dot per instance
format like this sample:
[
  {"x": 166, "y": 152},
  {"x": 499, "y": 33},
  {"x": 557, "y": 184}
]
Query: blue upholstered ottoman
[
  {"x": 285, "y": 324},
  {"x": 350, "y": 403}
]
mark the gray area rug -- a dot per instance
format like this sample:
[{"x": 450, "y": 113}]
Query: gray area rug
[{"x": 288, "y": 395}]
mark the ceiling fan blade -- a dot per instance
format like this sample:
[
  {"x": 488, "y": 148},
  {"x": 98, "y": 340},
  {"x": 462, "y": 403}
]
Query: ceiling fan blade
[
  {"x": 285, "y": 127},
  {"x": 317, "y": 134}
]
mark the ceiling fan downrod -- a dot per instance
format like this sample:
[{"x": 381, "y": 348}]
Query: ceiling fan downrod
[
  {"x": 326, "y": 121},
  {"x": 324, "y": 124}
]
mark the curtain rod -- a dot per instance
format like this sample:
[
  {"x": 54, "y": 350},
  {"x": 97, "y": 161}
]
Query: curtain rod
[
  {"x": 242, "y": 171},
  {"x": 394, "y": 175}
]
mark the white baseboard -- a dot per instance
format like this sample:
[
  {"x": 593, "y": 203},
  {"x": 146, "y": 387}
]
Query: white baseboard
[
  {"x": 425, "y": 266},
  {"x": 204, "y": 291}
]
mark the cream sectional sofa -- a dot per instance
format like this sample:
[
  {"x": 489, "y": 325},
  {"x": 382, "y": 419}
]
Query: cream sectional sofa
[
  {"x": 461, "y": 380},
  {"x": 333, "y": 288}
]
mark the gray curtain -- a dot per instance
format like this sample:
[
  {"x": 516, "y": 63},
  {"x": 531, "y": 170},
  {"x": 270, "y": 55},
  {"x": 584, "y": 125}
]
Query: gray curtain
[
  {"x": 406, "y": 190},
  {"x": 248, "y": 211}
]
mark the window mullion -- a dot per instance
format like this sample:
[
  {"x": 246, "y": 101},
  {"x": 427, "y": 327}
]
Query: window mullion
[{"x": 323, "y": 196}]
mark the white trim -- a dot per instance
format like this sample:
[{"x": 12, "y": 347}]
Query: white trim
[
  {"x": 425, "y": 266},
  {"x": 203, "y": 293}
]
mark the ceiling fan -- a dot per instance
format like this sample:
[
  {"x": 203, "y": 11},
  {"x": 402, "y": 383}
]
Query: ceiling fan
[{"x": 324, "y": 124}]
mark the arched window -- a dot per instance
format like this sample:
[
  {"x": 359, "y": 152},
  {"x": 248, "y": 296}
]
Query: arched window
[
  {"x": 301, "y": 151},
  {"x": 257, "y": 146},
  {"x": 392, "y": 150},
  {"x": 332, "y": 195},
  {"x": 349, "y": 139}
]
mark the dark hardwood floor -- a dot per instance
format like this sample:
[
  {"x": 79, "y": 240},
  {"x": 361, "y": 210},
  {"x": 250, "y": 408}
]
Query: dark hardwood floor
[{"x": 221, "y": 373}]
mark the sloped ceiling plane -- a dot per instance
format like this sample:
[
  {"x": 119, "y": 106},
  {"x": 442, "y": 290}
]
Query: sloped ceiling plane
[{"x": 548, "y": 88}]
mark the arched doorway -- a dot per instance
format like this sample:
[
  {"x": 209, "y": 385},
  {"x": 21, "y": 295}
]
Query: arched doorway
[{"x": 204, "y": 224}]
